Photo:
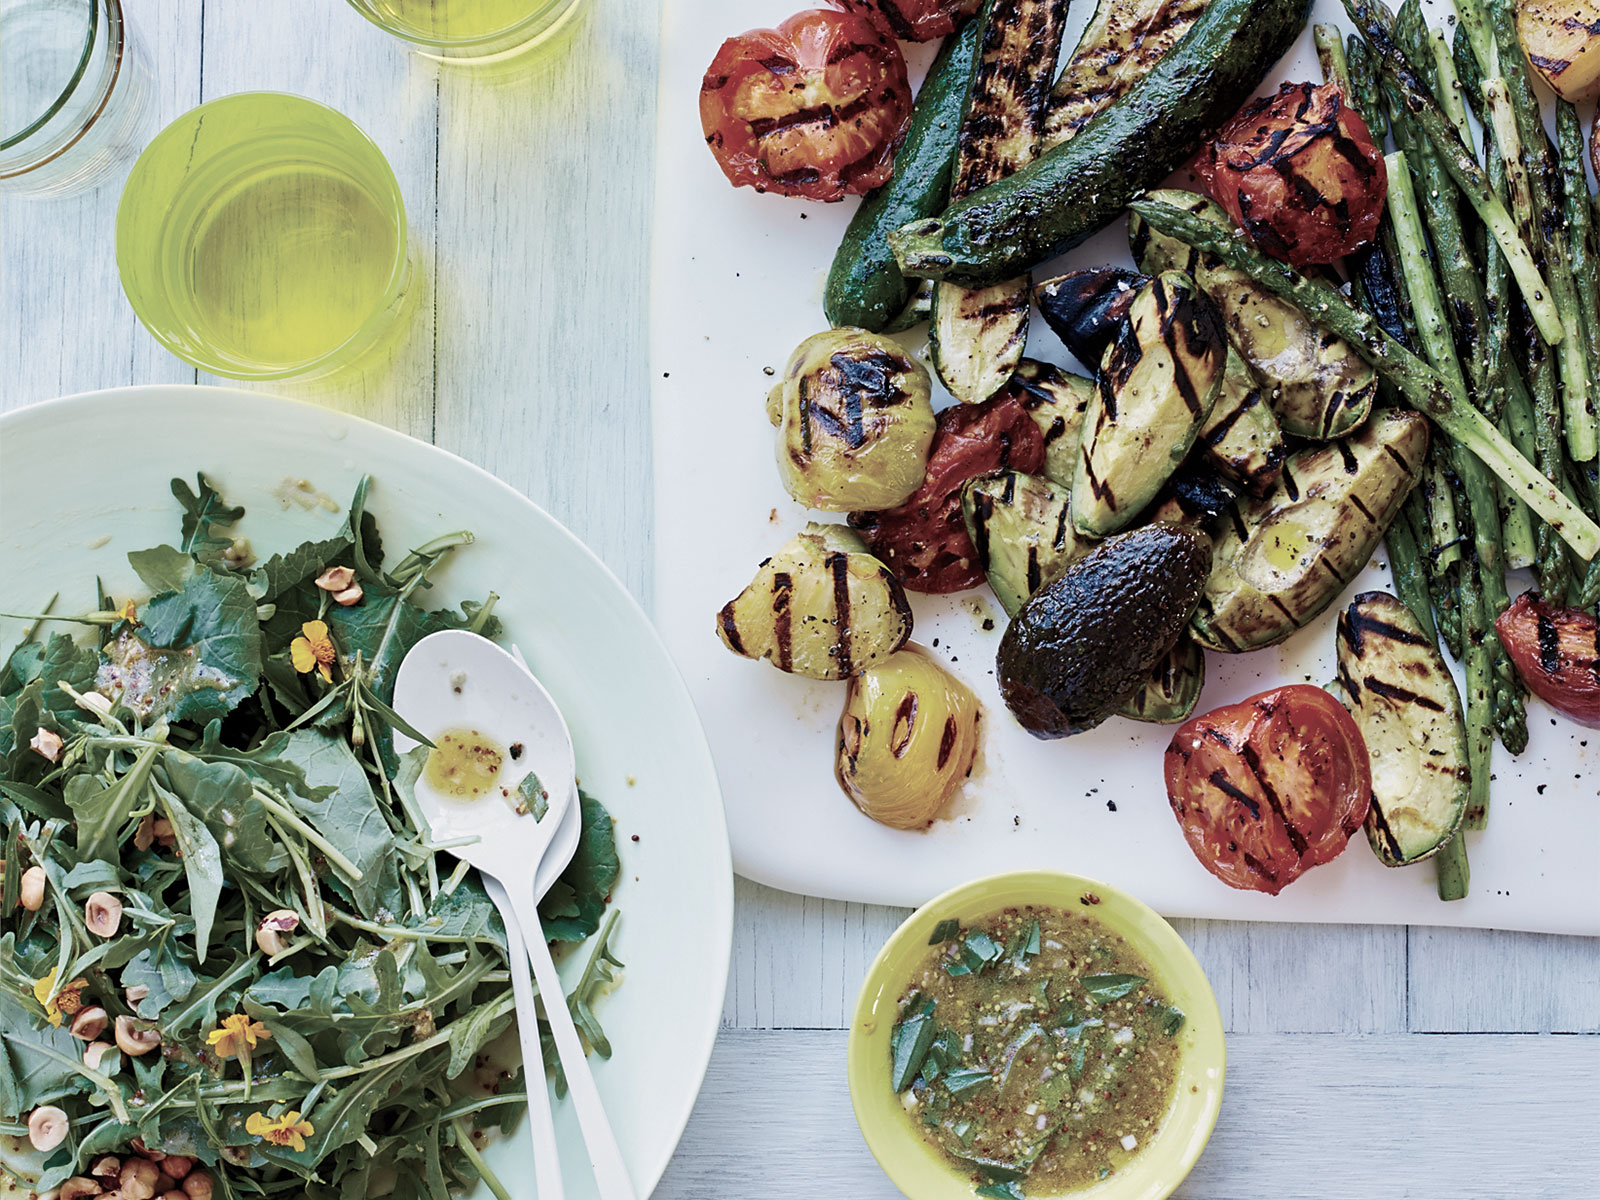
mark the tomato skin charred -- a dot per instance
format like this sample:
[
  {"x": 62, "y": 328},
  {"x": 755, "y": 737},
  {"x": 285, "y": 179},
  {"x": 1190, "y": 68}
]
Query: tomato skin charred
[
  {"x": 1299, "y": 173},
  {"x": 915, "y": 20},
  {"x": 1557, "y": 653},
  {"x": 814, "y": 108},
  {"x": 1268, "y": 788}
]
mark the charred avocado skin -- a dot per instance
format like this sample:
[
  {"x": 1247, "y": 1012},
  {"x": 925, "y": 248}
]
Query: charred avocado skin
[{"x": 1080, "y": 648}]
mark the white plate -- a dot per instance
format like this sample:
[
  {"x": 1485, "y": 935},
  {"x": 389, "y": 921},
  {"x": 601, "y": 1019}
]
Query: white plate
[
  {"x": 85, "y": 480},
  {"x": 737, "y": 283}
]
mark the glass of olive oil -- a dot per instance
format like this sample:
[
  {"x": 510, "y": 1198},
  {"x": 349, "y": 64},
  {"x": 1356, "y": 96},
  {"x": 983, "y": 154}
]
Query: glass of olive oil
[
  {"x": 469, "y": 31},
  {"x": 263, "y": 236}
]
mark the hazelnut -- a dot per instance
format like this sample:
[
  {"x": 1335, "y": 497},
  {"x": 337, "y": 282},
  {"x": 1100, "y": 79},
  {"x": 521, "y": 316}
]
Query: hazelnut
[
  {"x": 31, "y": 893},
  {"x": 336, "y": 579},
  {"x": 269, "y": 933},
  {"x": 135, "y": 1041},
  {"x": 135, "y": 994},
  {"x": 173, "y": 1194},
  {"x": 89, "y": 1024},
  {"x": 107, "y": 1166},
  {"x": 141, "y": 1149},
  {"x": 102, "y": 913},
  {"x": 94, "y": 702},
  {"x": 165, "y": 1182},
  {"x": 177, "y": 1165},
  {"x": 47, "y": 744},
  {"x": 138, "y": 1179},
  {"x": 197, "y": 1185},
  {"x": 94, "y": 1052},
  {"x": 350, "y": 595},
  {"x": 145, "y": 835},
  {"x": 47, "y": 1127},
  {"x": 78, "y": 1187}
]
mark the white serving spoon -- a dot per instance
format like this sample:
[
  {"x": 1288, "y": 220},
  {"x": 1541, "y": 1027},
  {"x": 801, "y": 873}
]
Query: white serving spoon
[{"x": 455, "y": 680}]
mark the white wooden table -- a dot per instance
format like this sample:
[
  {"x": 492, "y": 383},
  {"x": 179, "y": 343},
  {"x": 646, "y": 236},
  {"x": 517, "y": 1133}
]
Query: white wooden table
[{"x": 529, "y": 209}]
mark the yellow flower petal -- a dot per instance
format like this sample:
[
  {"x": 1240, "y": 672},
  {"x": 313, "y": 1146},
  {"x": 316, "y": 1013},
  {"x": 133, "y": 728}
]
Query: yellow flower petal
[{"x": 302, "y": 655}]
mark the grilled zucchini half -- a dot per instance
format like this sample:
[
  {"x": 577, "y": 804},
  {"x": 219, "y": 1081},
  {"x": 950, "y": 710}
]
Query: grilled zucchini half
[
  {"x": 1174, "y": 686},
  {"x": 1057, "y": 402},
  {"x": 1157, "y": 384},
  {"x": 1402, "y": 696},
  {"x": 1021, "y": 527},
  {"x": 1241, "y": 437},
  {"x": 822, "y": 607},
  {"x": 1319, "y": 387},
  {"x": 854, "y": 422},
  {"x": 1281, "y": 560}
]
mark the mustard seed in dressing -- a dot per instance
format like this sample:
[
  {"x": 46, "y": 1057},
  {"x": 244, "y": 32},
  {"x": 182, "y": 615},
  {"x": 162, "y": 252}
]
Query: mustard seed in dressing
[{"x": 463, "y": 764}]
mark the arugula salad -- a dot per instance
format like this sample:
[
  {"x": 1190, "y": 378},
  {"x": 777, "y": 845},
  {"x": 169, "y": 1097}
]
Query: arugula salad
[{"x": 231, "y": 960}]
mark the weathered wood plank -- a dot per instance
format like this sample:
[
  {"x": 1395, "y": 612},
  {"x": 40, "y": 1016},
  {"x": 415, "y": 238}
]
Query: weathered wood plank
[
  {"x": 1486, "y": 981},
  {"x": 1291, "y": 1105}
]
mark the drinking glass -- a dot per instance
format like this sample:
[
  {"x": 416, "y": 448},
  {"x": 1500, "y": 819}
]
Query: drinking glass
[
  {"x": 263, "y": 236},
  {"x": 469, "y": 31},
  {"x": 73, "y": 93}
]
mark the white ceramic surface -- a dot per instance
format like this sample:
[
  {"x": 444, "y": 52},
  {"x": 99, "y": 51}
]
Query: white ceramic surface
[
  {"x": 737, "y": 282},
  {"x": 84, "y": 480}
]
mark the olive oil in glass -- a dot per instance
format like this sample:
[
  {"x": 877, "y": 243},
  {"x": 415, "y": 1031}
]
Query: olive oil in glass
[{"x": 469, "y": 31}]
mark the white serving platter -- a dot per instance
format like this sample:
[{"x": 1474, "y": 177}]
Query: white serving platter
[
  {"x": 737, "y": 283},
  {"x": 84, "y": 480}
]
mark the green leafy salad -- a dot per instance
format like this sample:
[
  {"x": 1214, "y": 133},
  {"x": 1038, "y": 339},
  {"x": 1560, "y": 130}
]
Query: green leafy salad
[{"x": 231, "y": 960}]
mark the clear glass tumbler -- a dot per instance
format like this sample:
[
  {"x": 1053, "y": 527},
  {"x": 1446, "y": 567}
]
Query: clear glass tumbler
[
  {"x": 73, "y": 93},
  {"x": 469, "y": 31},
  {"x": 263, "y": 236}
]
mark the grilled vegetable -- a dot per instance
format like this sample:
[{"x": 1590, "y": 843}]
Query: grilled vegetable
[
  {"x": 1557, "y": 653},
  {"x": 1280, "y": 561},
  {"x": 1174, "y": 686},
  {"x": 1270, "y": 787},
  {"x": 1405, "y": 703},
  {"x": 1076, "y": 188},
  {"x": 1077, "y": 651},
  {"x": 1562, "y": 41},
  {"x": 978, "y": 335},
  {"x": 1195, "y": 496},
  {"x": 1241, "y": 436},
  {"x": 1087, "y": 308},
  {"x": 1157, "y": 384},
  {"x": 1299, "y": 173},
  {"x": 813, "y": 108},
  {"x": 1320, "y": 387},
  {"x": 821, "y": 607},
  {"x": 907, "y": 739},
  {"x": 865, "y": 287},
  {"x": 1124, "y": 39},
  {"x": 923, "y": 540},
  {"x": 1021, "y": 528},
  {"x": 1057, "y": 401},
  {"x": 854, "y": 422},
  {"x": 916, "y": 20}
]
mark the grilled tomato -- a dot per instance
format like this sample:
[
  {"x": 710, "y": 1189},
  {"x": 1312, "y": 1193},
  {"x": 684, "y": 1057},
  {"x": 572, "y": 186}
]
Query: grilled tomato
[
  {"x": 1270, "y": 787},
  {"x": 1299, "y": 173},
  {"x": 814, "y": 108},
  {"x": 1557, "y": 653},
  {"x": 915, "y": 20},
  {"x": 924, "y": 541}
]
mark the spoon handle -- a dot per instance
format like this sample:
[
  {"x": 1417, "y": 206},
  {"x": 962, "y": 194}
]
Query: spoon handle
[
  {"x": 541, "y": 1122},
  {"x": 611, "y": 1177}
]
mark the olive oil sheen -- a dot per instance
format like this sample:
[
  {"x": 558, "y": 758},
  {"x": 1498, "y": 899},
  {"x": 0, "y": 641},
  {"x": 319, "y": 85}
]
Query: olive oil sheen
[{"x": 456, "y": 20}]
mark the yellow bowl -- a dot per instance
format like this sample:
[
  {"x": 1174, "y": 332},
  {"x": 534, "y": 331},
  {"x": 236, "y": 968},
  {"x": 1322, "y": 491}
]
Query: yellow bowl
[{"x": 914, "y": 1165}]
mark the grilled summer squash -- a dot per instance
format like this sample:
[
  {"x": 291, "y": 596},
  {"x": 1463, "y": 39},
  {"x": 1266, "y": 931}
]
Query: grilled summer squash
[
  {"x": 1057, "y": 402},
  {"x": 822, "y": 607},
  {"x": 1318, "y": 386},
  {"x": 1281, "y": 560},
  {"x": 1404, "y": 700},
  {"x": 1241, "y": 437},
  {"x": 1021, "y": 527},
  {"x": 854, "y": 422},
  {"x": 1157, "y": 385}
]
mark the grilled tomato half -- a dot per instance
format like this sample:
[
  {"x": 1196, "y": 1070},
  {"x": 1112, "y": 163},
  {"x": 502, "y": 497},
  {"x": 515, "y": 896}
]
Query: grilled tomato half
[
  {"x": 1557, "y": 653},
  {"x": 915, "y": 20}
]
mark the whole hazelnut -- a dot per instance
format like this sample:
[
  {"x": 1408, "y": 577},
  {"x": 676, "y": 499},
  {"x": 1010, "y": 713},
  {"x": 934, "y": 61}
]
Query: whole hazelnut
[
  {"x": 135, "y": 1041},
  {"x": 102, "y": 913},
  {"x": 31, "y": 891},
  {"x": 173, "y": 1194},
  {"x": 77, "y": 1187},
  {"x": 94, "y": 1052},
  {"x": 177, "y": 1165},
  {"x": 197, "y": 1185},
  {"x": 138, "y": 1179},
  {"x": 47, "y": 1127},
  {"x": 269, "y": 933},
  {"x": 89, "y": 1024}
]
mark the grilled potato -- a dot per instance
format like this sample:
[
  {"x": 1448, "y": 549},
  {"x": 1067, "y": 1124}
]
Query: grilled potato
[
  {"x": 1562, "y": 40},
  {"x": 854, "y": 422},
  {"x": 907, "y": 738},
  {"x": 822, "y": 607}
]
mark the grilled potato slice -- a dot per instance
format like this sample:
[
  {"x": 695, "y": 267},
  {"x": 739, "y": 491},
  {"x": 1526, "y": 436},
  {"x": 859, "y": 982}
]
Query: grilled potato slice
[
  {"x": 907, "y": 738},
  {"x": 822, "y": 607},
  {"x": 1404, "y": 700},
  {"x": 1158, "y": 383},
  {"x": 1021, "y": 527},
  {"x": 854, "y": 422},
  {"x": 1318, "y": 386},
  {"x": 1281, "y": 560}
]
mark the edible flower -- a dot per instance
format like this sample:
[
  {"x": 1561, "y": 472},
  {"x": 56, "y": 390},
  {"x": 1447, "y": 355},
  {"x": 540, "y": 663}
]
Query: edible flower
[
  {"x": 47, "y": 744},
  {"x": 129, "y": 612},
  {"x": 313, "y": 650},
  {"x": 67, "y": 1002},
  {"x": 236, "y": 1036},
  {"x": 288, "y": 1130}
]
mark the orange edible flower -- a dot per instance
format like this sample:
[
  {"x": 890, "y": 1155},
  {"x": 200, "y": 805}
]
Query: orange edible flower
[
  {"x": 236, "y": 1036},
  {"x": 67, "y": 1002},
  {"x": 288, "y": 1130},
  {"x": 314, "y": 650},
  {"x": 129, "y": 612}
]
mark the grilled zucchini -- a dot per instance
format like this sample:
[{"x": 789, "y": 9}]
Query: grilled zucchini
[
  {"x": 1402, "y": 696},
  {"x": 1283, "y": 559},
  {"x": 1319, "y": 386},
  {"x": 1241, "y": 437},
  {"x": 1174, "y": 686},
  {"x": 1057, "y": 402},
  {"x": 854, "y": 422},
  {"x": 1021, "y": 527},
  {"x": 822, "y": 607},
  {"x": 978, "y": 335},
  {"x": 1157, "y": 385}
]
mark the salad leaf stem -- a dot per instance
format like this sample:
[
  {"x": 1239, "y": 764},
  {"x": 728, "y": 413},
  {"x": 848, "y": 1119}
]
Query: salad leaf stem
[
  {"x": 464, "y": 1143},
  {"x": 284, "y": 812}
]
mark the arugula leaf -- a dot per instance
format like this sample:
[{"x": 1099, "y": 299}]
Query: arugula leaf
[
  {"x": 1009, "y": 1190},
  {"x": 978, "y": 951},
  {"x": 100, "y": 811},
  {"x": 598, "y": 974},
  {"x": 944, "y": 931},
  {"x": 1169, "y": 1017},
  {"x": 31, "y": 1068},
  {"x": 201, "y": 511},
  {"x": 169, "y": 979},
  {"x": 198, "y": 655},
  {"x": 908, "y": 1046},
  {"x": 1103, "y": 989},
  {"x": 1024, "y": 946},
  {"x": 571, "y": 911},
  {"x": 162, "y": 569},
  {"x": 202, "y": 864}
]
